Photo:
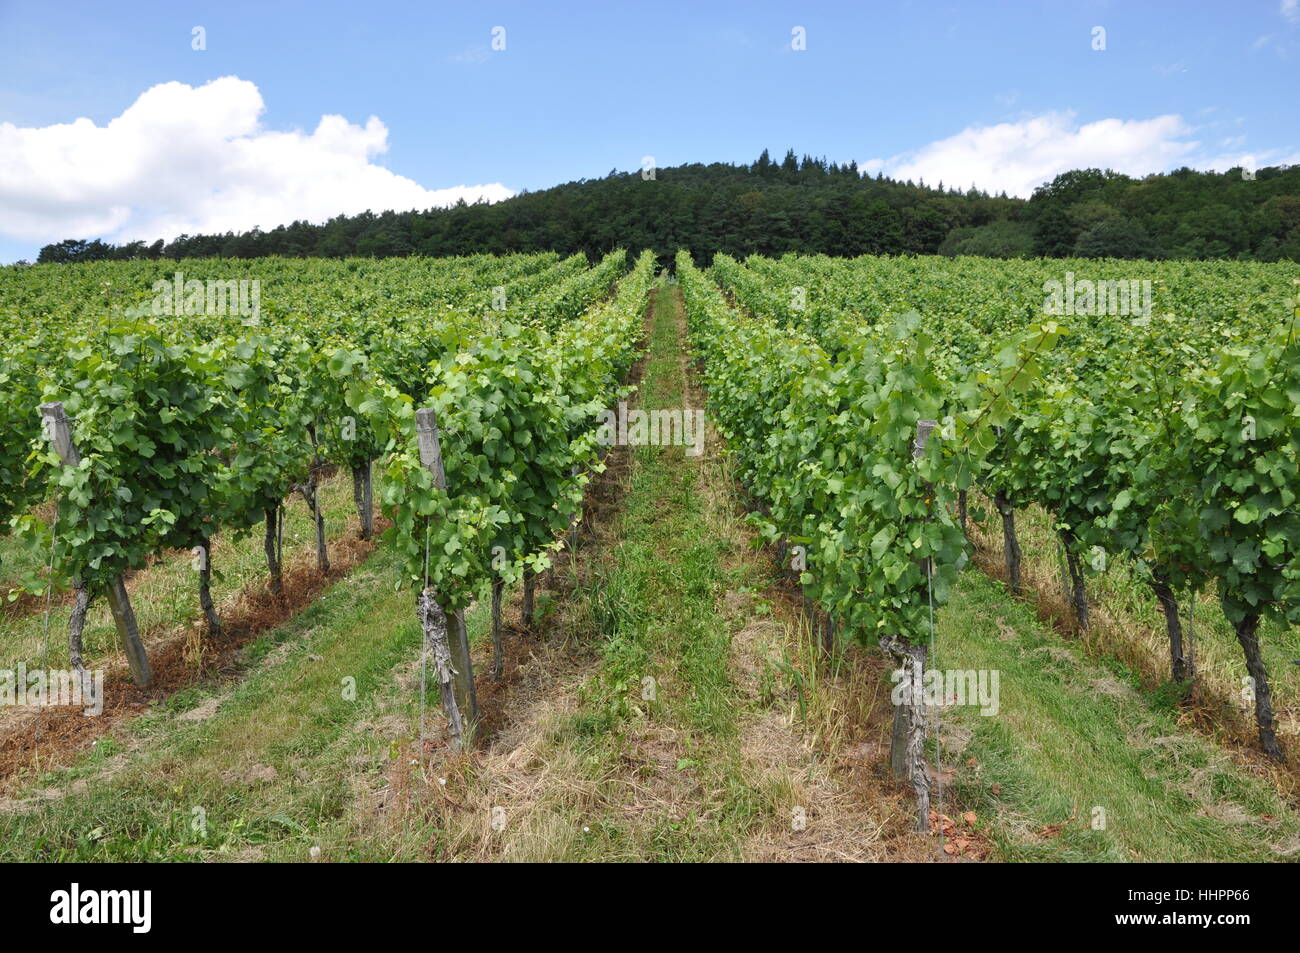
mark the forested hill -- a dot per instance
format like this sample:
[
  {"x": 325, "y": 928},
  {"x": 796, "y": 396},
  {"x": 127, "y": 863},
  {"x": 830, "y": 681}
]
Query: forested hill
[{"x": 806, "y": 205}]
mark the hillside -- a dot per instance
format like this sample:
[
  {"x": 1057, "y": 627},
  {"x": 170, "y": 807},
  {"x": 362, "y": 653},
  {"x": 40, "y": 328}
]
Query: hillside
[{"x": 803, "y": 205}]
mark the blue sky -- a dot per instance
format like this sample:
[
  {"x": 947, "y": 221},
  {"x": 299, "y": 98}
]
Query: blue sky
[{"x": 1003, "y": 94}]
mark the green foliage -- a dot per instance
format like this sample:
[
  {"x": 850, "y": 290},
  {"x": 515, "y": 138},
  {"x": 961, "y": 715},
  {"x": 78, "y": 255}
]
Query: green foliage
[
  {"x": 21, "y": 424},
  {"x": 799, "y": 205},
  {"x": 1131, "y": 436},
  {"x": 518, "y": 412},
  {"x": 994, "y": 240},
  {"x": 1242, "y": 437},
  {"x": 268, "y": 451},
  {"x": 148, "y": 420},
  {"x": 825, "y": 443},
  {"x": 191, "y": 423},
  {"x": 1118, "y": 238}
]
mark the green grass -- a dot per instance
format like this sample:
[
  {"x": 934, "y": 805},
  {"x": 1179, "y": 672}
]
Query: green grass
[
  {"x": 278, "y": 768},
  {"x": 268, "y": 770},
  {"x": 1142, "y": 641},
  {"x": 1072, "y": 736}
]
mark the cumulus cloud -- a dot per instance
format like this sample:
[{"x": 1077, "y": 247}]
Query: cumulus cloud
[
  {"x": 1015, "y": 157},
  {"x": 197, "y": 159}
]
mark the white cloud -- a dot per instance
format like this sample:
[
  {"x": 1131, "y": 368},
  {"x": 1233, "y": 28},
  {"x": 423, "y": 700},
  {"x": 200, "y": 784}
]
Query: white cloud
[
  {"x": 1290, "y": 9},
  {"x": 186, "y": 159},
  {"x": 1017, "y": 156},
  {"x": 1246, "y": 160}
]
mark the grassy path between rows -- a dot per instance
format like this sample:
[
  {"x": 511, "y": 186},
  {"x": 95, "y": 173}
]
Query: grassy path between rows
[{"x": 672, "y": 733}]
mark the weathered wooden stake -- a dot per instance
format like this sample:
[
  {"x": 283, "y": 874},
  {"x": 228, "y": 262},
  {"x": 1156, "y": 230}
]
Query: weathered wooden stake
[
  {"x": 433, "y": 621},
  {"x": 77, "y": 625},
  {"x": 426, "y": 427},
  {"x": 907, "y": 741},
  {"x": 59, "y": 432}
]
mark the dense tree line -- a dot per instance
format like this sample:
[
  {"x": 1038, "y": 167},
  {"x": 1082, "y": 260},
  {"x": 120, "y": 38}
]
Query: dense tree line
[{"x": 801, "y": 205}]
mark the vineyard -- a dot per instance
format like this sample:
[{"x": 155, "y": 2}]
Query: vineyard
[{"x": 374, "y": 568}]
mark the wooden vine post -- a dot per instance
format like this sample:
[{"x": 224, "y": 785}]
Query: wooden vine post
[
  {"x": 59, "y": 431},
  {"x": 907, "y": 741},
  {"x": 433, "y": 621},
  {"x": 444, "y": 633}
]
